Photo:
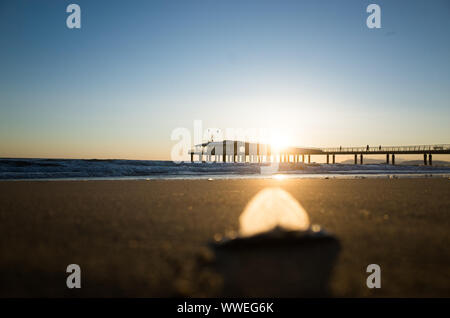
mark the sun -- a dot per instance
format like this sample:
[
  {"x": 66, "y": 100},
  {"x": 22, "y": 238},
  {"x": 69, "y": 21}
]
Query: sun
[{"x": 280, "y": 142}]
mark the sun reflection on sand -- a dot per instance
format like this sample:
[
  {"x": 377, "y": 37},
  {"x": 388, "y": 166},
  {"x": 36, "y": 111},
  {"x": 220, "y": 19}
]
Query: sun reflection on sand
[{"x": 271, "y": 208}]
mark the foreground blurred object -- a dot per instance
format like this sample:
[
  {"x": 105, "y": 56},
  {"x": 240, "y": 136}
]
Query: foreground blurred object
[
  {"x": 271, "y": 208},
  {"x": 277, "y": 252}
]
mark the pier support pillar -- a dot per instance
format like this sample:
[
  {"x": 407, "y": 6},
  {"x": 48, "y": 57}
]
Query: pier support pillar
[
  {"x": 334, "y": 158},
  {"x": 192, "y": 157},
  {"x": 356, "y": 159},
  {"x": 425, "y": 159},
  {"x": 387, "y": 158},
  {"x": 393, "y": 159},
  {"x": 303, "y": 158},
  {"x": 430, "y": 159},
  {"x": 224, "y": 151},
  {"x": 328, "y": 159},
  {"x": 361, "y": 159},
  {"x": 309, "y": 158}
]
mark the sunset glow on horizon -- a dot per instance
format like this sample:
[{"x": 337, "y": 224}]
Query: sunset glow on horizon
[{"x": 313, "y": 73}]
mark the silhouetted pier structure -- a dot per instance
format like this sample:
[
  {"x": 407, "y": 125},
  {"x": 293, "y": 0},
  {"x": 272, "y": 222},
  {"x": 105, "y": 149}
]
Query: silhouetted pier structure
[{"x": 239, "y": 151}]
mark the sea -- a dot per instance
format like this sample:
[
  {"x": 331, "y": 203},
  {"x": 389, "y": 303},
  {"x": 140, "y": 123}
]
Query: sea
[{"x": 112, "y": 169}]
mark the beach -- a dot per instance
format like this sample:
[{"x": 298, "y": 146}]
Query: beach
[{"x": 150, "y": 238}]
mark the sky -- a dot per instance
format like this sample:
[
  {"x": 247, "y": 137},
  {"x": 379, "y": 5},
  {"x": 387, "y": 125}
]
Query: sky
[{"x": 137, "y": 70}]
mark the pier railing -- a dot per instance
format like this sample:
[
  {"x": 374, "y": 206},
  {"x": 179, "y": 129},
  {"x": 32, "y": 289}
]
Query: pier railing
[{"x": 390, "y": 149}]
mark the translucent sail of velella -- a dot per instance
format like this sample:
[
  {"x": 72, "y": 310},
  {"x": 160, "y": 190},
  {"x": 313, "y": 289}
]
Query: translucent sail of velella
[{"x": 271, "y": 208}]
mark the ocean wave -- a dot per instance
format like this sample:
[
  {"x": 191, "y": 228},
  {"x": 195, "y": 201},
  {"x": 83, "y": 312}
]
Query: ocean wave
[{"x": 111, "y": 168}]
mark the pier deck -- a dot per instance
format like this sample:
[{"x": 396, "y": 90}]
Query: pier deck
[{"x": 239, "y": 151}]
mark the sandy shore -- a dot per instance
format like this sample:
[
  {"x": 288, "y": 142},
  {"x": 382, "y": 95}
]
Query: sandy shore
[{"x": 149, "y": 238}]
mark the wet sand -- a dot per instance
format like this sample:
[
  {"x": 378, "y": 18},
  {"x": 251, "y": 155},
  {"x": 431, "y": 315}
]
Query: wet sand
[{"x": 150, "y": 238}]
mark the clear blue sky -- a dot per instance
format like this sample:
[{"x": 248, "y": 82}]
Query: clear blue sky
[{"x": 136, "y": 70}]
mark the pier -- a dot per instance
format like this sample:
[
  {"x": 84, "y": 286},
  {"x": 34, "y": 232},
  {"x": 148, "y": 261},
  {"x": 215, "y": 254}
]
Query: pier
[{"x": 240, "y": 151}]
